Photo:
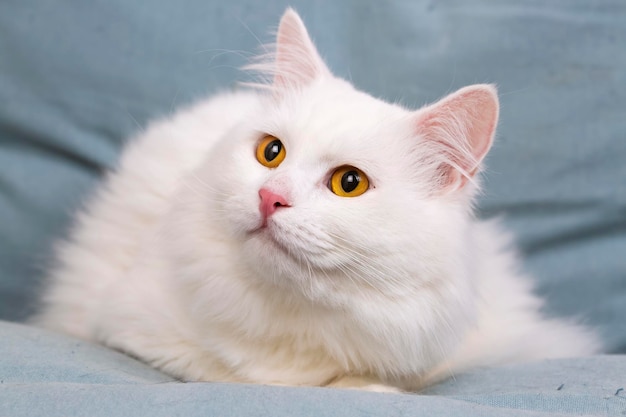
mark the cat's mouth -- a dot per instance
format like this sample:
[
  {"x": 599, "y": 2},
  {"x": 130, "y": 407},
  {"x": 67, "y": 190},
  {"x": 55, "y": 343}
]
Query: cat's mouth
[
  {"x": 286, "y": 238},
  {"x": 295, "y": 239},
  {"x": 266, "y": 232}
]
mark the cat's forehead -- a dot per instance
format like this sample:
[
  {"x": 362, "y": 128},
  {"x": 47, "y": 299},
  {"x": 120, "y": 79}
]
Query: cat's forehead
[{"x": 334, "y": 119}]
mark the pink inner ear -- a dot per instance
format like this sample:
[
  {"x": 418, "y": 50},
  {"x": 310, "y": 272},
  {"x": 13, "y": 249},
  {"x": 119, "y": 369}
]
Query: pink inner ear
[
  {"x": 462, "y": 126},
  {"x": 297, "y": 61}
]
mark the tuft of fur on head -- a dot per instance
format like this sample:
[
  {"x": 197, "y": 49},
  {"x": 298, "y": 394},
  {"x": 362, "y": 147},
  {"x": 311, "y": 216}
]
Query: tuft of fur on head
[{"x": 293, "y": 60}]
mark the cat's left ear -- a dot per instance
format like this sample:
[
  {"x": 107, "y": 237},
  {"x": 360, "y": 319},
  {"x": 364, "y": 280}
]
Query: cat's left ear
[
  {"x": 297, "y": 61},
  {"x": 459, "y": 130}
]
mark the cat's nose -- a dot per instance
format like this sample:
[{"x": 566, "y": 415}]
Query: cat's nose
[{"x": 270, "y": 202}]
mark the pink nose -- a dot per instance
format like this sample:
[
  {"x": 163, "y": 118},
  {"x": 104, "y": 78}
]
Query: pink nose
[{"x": 270, "y": 202}]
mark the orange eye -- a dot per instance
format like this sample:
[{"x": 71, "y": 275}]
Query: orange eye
[
  {"x": 270, "y": 152},
  {"x": 348, "y": 181}
]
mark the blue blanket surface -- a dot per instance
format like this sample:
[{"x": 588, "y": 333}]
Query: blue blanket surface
[{"x": 44, "y": 374}]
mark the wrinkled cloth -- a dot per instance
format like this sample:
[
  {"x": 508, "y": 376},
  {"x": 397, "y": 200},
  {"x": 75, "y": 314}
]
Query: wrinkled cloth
[{"x": 42, "y": 373}]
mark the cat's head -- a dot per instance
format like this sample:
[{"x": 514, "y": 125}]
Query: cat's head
[{"x": 329, "y": 192}]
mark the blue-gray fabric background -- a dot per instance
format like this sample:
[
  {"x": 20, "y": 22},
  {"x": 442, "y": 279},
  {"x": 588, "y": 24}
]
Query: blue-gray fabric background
[
  {"x": 77, "y": 78},
  {"x": 44, "y": 374}
]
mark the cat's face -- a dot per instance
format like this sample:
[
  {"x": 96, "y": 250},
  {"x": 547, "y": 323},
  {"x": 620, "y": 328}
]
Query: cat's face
[
  {"x": 328, "y": 191},
  {"x": 325, "y": 134}
]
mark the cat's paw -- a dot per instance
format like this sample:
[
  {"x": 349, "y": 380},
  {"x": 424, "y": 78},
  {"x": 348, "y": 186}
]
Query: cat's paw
[
  {"x": 388, "y": 389},
  {"x": 363, "y": 383}
]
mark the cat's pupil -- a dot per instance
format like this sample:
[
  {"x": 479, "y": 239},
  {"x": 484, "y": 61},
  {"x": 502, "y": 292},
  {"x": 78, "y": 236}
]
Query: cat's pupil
[
  {"x": 350, "y": 180},
  {"x": 272, "y": 150}
]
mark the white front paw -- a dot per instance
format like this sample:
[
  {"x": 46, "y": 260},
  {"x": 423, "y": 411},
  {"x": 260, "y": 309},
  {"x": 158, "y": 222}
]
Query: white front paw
[
  {"x": 363, "y": 383},
  {"x": 381, "y": 388}
]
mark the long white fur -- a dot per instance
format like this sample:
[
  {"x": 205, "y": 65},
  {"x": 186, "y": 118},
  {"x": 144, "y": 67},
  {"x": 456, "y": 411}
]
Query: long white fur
[{"x": 392, "y": 290}]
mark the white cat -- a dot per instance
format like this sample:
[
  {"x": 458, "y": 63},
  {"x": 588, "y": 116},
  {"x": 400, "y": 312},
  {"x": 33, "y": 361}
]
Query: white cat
[{"x": 304, "y": 234}]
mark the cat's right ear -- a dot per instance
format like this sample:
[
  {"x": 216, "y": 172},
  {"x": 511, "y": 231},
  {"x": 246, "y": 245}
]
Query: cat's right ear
[
  {"x": 459, "y": 131},
  {"x": 297, "y": 62}
]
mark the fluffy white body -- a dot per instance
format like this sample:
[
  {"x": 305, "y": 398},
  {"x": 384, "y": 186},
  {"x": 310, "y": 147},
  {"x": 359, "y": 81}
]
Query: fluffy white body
[{"x": 174, "y": 262}]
